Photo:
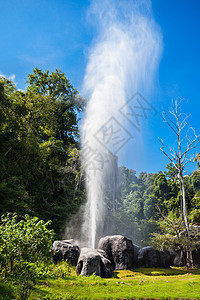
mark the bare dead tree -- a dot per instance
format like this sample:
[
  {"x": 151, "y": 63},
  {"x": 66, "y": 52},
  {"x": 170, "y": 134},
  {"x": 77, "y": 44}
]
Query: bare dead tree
[{"x": 186, "y": 140}]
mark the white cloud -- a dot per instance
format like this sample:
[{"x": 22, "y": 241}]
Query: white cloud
[{"x": 10, "y": 77}]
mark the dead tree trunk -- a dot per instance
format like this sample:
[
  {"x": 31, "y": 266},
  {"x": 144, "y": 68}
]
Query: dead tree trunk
[
  {"x": 186, "y": 141},
  {"x": 189, "y": 259}
]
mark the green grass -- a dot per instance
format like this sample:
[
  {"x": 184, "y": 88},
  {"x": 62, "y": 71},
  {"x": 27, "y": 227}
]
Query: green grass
[
  {"x": 127, "y": 285},
  {"x": 143, "y": 283}
]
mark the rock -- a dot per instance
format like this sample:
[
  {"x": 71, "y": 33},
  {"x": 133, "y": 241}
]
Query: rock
[
  {"x": 178, "y": 258},
  {"x": 180, "y": 255},
  {"x": 152, "y": 258},
  {"x": 166, "y": 259},
  {"x": 136, "y": 251},
  {"x": 148, "y": 257},
  {"x": 94, "y": 261},
  {"x": 120, "y": 251},
  {"x": 196, "y": 257},
  {"x": 66, "y": 250}
]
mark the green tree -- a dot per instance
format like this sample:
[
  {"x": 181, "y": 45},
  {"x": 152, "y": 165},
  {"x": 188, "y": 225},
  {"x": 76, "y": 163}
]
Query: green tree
[
  {"x": 37, "y": 129},
  {"x": 67, "y": 101}
]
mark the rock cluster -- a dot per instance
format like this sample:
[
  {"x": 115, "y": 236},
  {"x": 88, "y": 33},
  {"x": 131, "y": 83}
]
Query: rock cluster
[{"x": 114, "y": 252}]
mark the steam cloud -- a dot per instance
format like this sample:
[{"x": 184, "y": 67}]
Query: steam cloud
[{"x": 122, "y": 60}]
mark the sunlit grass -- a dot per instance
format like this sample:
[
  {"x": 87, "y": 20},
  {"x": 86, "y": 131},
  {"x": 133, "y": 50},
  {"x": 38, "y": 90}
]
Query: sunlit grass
[
  {"x": 126, "y": 284},
  {"x": 143, "y": 283}
]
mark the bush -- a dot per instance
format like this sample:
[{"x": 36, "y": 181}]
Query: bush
[{"x": 25, "y": 240}]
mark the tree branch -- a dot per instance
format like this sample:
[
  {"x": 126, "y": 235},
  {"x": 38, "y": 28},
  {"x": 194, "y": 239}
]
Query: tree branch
[
  {"x": 162, "y": 149},
  {"x": 164, "y": 116}
]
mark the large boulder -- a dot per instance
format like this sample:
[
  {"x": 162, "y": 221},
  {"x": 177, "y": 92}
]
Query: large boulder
[
  {"x": 150, "y": 257},
  {"x": 196, "y": 257},
  {"x": 66, "y": 250},
  {"x": 94, "y": 261},
  {"x": 136, "y": 251},
  {"x": 178, "y": 257},
  {"x": 166, "y": 259},
  {"x": 120, "y": 251}
]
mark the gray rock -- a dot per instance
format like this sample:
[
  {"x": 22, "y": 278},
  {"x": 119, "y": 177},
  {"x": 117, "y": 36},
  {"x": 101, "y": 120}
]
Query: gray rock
[
  {"x": 179, "y": 259},
  {"x": 136, "y": 251},
  {"x": 166, "y": 259},
  {"x": 120, "y": 251},
  {"x": 150, "y": 257},
  {"x": 179, "y": 253},
  {"x": 196, "y": 257},
  {"x": 94, "y": 261},
  {"x": 66, "y": 250}
]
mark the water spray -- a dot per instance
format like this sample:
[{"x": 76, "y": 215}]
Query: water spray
[{"x": 123, "y": 60}]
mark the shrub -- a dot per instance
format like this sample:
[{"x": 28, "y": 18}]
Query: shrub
[{"x": 28, "y": 239}]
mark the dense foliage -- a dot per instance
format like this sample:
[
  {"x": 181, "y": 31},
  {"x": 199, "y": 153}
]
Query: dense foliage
[
  {"x": 25, "y": 240},
  {"x": 38, "y": 139},
  {"x": 25, "y": 246},
  {"x": 145, "y": 201}
]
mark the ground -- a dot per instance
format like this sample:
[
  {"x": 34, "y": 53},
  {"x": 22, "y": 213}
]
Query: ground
[{"x": 174, "y": 283}]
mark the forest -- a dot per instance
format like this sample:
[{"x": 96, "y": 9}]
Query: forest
[
  {"x": 40, "y": 169},
  {"x": 41, "y": 176},
  {"x": 39, "y": 137}
]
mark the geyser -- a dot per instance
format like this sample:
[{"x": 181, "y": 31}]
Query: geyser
[{"x": 122, "y": 60}]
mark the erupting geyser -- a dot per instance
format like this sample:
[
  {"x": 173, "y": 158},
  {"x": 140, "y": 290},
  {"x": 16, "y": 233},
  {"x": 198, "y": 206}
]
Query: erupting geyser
[{"x": 122, "y": 61}]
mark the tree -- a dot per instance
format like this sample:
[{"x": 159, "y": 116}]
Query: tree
[
  {"x": 197, "y": 159},
  {"x": 186, "y": 140},
  {"x": 59, "y": 92},
  {"x": 195, "y": 203},
  {"x": 38, "y": 127},
  {"x": 169, "y": 234}
]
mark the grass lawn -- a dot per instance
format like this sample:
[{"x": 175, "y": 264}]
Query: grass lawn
[{"x": 138, "y": 284}]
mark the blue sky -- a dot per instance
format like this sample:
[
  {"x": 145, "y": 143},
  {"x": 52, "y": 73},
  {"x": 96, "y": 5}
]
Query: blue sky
[{"x": 51, "y": 34}]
